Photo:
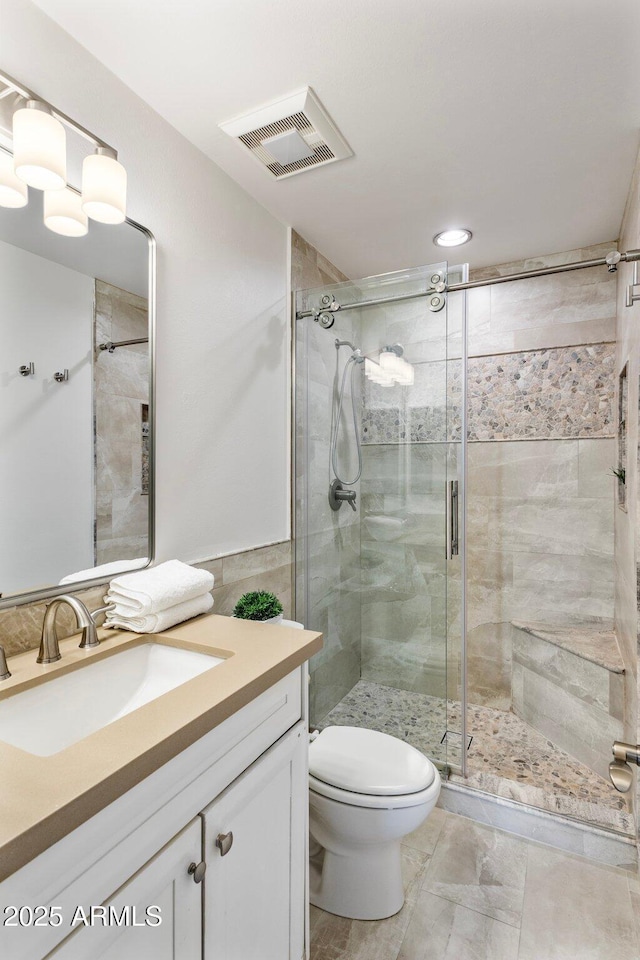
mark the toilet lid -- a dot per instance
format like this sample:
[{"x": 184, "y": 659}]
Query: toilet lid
[{"x": 365, "y": 761}]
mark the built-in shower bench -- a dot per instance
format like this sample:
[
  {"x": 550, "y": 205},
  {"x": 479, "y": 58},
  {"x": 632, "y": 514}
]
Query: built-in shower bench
[{"x": 568, "y": 683}]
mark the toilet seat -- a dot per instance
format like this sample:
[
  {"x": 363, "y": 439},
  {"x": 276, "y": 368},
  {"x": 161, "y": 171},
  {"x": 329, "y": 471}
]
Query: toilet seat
[
  {"x": 366, "y": 768},
  {"x": 372, "y": 801}
]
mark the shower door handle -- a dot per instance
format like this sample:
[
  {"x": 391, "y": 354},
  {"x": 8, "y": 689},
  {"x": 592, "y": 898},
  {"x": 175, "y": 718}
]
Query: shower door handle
[{"x": 452, "y": 519}]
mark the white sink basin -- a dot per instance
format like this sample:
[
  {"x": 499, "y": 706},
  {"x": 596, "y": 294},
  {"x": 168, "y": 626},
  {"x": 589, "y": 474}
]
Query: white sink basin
[{"x": 67, "y": 708}]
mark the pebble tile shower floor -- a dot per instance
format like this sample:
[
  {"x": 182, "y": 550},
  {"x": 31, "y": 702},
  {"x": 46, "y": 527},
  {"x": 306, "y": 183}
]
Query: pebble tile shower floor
[{"x": 506, "y": 757}]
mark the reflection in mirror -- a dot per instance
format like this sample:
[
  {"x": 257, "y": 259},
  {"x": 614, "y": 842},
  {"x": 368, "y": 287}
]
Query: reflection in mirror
[{"x": 75, "y": 485}]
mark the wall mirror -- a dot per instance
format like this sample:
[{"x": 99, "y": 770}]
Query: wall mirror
[{"x": 76, "y": 408}]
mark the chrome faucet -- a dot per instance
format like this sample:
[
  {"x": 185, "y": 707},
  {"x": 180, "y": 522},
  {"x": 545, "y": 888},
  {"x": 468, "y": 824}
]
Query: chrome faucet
[{"x": 49, "y": 647}]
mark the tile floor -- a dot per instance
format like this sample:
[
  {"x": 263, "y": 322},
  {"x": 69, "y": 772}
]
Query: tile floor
[
  {"x": 477, "y": 893},
  {"x": 507, "y": 757}
]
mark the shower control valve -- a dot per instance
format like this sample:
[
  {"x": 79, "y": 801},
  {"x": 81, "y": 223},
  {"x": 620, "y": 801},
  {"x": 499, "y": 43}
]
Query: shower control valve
[{"x": 338, "y": 495}]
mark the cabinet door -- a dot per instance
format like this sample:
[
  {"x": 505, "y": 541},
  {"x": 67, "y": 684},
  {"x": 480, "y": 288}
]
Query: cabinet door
[
  {"x": 163, "y": 883},
  {"x": 254, "y": 842}
]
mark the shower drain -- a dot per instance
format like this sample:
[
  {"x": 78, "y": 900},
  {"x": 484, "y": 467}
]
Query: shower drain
[{"x": 454, "y": 734}]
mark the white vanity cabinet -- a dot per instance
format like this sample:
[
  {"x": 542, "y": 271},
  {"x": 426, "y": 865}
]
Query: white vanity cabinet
[
  {"x": 254, "y": 848},
  {"x": 246, "y": 778},
  {"x": 163, "y": 888}
]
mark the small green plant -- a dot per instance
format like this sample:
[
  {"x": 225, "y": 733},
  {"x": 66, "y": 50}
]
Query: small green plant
[
  {"x": 620, "y": 473},
  {"x": 257, "y": 605}
]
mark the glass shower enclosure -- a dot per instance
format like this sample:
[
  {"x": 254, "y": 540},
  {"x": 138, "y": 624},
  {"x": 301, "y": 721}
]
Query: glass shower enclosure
[{"x": 379, "y": 504}]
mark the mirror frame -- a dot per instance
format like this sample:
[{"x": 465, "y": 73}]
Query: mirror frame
[{"x": 33, "y": 596}]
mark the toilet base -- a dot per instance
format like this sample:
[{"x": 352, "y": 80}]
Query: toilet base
[{"x": 367, "y": 886}]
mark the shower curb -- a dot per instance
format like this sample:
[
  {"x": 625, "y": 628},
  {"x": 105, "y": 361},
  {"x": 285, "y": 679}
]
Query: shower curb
[{"x": 571, "y": 836}]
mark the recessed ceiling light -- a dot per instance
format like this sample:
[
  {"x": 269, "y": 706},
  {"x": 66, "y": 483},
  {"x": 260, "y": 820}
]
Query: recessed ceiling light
[{"x": 452, "y": 238}]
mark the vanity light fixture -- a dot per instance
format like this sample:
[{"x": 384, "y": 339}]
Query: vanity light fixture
[
  {"x": 39, "y": 160},
  {"x": 104, "y": 186},
  {"x": 406, "y": 375},
  {"x": 391, "y": 369},
  {"x": 13, "y": 191},
  {"x": 452, "y": 238},
  {"x": 390, "y": 363},
  {"x": 63, "y": 213},
  {"x": 376, "y": 374},
  {"x": 39, "y": 147}
]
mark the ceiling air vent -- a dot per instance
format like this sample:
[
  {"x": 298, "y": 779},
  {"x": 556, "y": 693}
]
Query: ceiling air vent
[{"x": 290, "y": 135}]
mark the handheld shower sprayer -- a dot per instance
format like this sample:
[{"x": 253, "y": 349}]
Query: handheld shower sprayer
[{"x": 355, "y": 358}]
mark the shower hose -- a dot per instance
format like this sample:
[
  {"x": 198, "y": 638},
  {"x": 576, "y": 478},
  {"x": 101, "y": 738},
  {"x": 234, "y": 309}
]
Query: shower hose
[{"x": 352, "y": 362}]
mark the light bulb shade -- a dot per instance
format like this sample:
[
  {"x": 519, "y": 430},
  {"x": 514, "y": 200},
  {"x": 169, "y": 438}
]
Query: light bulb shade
[
  {"x": 387, "y": 360},
  {"x": 104, "y": 188},
  {"x": 13, "y": 191},
  {"x": 63, "y": 213},
  {"x": 406, "y": 373},
  {"x": 39, "y": 149},
  {"x": 391, "y": 364},
  {"x": 373, "y": 371},
  {"x": 376, "y": 374}
]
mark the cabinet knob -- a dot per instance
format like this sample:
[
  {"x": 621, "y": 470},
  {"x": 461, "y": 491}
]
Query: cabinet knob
[
  {"x": 197, "y": 871},
  {"x": 224, "y": 842}
]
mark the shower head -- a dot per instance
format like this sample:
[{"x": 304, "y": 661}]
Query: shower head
[{"x": 357, "y": 353}]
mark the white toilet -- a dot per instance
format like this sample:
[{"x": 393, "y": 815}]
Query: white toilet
[{"x": 367, "y": 791}]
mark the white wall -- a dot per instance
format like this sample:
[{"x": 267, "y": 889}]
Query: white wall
[
  {"x": 222, "y": 339},
  {"x": 46, "y": 430}
]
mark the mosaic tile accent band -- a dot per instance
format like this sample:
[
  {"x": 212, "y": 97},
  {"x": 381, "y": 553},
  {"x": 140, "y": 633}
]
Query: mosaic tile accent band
[
  {"x": 560, "y": 393},
  {"x": 551, "y": 394}
]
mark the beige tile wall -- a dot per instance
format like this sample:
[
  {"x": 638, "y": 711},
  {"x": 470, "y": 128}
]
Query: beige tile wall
[
  {"x": 266, "y": 568},
  {"x": 555, "y": 311},
  {"x": 121, "y": 386},
  {"x": 328, "y": 598},
  {"x": 309, "y": 268},
  {"x": 541, "y": 512},
  {"x": 627, "y": 534},
  {"x": 540, "y": 546}
]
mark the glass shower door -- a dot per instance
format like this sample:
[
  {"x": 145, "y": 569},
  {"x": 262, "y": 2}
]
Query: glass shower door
[{"x": 376, "y": 414}]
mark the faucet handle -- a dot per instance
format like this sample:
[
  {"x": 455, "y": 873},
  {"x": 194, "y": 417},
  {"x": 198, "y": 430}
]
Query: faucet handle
[
  {"x": 101, "y": 610},
  {"x": 5, "y": 673},
  {"x": 89, "y": 634}
]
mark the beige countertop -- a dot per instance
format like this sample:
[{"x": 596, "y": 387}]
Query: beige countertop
[{"x": 42, "y": 799}]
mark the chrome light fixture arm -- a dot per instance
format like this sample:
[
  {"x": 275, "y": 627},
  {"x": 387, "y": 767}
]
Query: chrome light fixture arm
[
  {"x": 39, "y": 159},
  {"x": 29, "y": 95}
]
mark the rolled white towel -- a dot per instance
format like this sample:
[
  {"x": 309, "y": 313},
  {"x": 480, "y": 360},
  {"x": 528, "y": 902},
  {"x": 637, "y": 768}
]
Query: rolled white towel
[
  {"x": 104, "y": 570},
  {"x": 163, "y": 619},
  {"x": 157, "y": 588}
]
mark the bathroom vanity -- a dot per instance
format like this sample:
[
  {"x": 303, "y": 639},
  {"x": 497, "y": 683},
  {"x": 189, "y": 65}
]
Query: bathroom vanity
[{"x": 190, "y": 810}]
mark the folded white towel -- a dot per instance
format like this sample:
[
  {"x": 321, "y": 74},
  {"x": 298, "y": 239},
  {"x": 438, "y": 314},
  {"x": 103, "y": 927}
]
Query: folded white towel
[
  {"x": 158, "y": 588},
  {"x": 163, "y": 619},
  {"x": 104, "y": 570}
]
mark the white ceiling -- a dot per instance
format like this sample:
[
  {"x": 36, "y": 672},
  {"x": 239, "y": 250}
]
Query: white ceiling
[{"x": 519, "y": 119}]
